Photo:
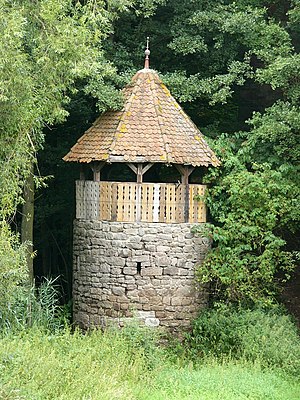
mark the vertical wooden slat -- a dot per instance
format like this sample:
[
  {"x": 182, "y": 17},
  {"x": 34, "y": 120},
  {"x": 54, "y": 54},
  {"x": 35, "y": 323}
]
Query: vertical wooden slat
[
  {"x": 114, "y": 201},
  {"x": 162, "y": 203},
  {"x": 197, "y": 207},
  {"x": 167, "y": 200},
  {"x": 120, "y": 202},
  {"x": 144, "y": 188},
  {"x": 156, "y": 202},
  {"x": 126, "y": 202},
  {"x": 138, "y": 201},
  {"x": 181, "y": 201},
  {"x": 132, "y": 195},
  {"x": 148, "y": 202}
]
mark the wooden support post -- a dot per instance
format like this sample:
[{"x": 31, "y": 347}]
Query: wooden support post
[
  {"x": 146, "y": 168},
  {"x": 96, "y": 168},
  {"x": 139, "y": 170},
  {"x": 132, "y": 167},
  {"x": 139, "y": 174},
  {"x": 82, "y": 172},
  {"x": 139, "y": 179},
  {"x": 185, "y": 172}
]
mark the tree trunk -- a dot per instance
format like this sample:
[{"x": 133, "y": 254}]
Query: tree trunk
[{"x": 27, "y": 221}]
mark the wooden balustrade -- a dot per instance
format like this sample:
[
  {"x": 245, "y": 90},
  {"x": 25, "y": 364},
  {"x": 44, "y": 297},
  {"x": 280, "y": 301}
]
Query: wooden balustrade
[{"x": 144, "y": 202}]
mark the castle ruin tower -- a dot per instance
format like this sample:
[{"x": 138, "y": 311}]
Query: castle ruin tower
[{"x": 134, "y": 252}]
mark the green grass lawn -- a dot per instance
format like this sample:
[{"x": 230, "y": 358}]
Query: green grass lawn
[{"x": 35, "y": 365}]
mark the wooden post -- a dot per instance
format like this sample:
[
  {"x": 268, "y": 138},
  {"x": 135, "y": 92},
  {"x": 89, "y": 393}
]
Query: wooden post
[
  {"x": 81, "y": 173},
  {"x": 96, "y": 168},
  {"x": 114, "y": 213},
  {"x": 139, "y": 179},
  {"x": 185, "y": 172},
  {"x": 139, "y": 171},
  {"x": 139, "y": 175}
]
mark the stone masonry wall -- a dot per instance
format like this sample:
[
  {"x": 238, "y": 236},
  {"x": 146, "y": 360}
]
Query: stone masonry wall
[{"x": 136, "y": 269}]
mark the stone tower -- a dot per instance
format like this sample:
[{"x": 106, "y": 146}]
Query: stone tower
[{"x": 134, "y": 252}]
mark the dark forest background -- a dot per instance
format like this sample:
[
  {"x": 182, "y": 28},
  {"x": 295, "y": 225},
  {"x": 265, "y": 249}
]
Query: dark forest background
[{"x": 234, "y": 68}]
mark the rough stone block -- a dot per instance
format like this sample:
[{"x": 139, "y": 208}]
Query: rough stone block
[
  {"x": 116, "y": 228},
  {"x": 129, "y": 271},
  {"x": 163, "y": 249},
  {"x": 132, "y": 231},
  {"x": 165, "y": 237},
  {"x": 151, "y": 271},
  {"x": 150, "y": 247},
  {"x": 188, "y": 248},
  {"x": 169, "y": 271},
  {"x": 117, "y": 261},
  {"x": 152, "y": 322},
  {"x": 135, "y": 246},
  {"x": 149, "y": 238},
  {"x": 150, "y": 292},
  {"x": 184, "y": 291},
  {"x": 163, "y": 261},
  {"x": 182, "y": 271},
  {"x": 118, "y": 291},
  {"x": 174, "y": 262},
  {"x": 115, "y": 270},
  {"x": 144, "y": 314},
  {"x": 186, "y": 301},
  {"x": 141, "y": 258},
  {"x": 166, "y": 300},
  {"x": 125, "y": 253},
  {"x": 117, "y": 244}
]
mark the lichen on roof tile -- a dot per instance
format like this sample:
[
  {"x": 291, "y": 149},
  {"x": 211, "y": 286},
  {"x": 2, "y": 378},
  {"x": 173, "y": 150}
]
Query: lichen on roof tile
[{"x": 151, "y": 124}]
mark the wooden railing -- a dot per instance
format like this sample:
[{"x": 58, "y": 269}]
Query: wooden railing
[{"x": 145, "y": 202}]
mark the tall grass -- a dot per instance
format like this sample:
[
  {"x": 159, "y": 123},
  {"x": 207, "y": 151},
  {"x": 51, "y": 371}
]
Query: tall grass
[
  {"x": 230, "y": 354},
  {"x": 28, "y": 306},
  {"x": 36, "y": 365}
]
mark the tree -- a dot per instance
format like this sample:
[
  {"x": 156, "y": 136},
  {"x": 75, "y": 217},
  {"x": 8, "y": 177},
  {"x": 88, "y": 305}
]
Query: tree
[
  {"x": 235, "y": 66},
  {"x": 46, "y": 47},
  {"x": 254, "y": 197}
]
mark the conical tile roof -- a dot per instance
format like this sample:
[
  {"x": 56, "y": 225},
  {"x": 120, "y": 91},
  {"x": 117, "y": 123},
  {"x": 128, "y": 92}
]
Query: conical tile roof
[{"x": 151, "y": 127}]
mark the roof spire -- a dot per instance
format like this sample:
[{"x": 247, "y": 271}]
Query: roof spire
[{"x": 147, "y": 54}]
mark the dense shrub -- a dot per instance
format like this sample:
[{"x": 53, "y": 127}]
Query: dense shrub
[
  {"x": 249, "y": 260},
  {"x": 267, "y": 336}
]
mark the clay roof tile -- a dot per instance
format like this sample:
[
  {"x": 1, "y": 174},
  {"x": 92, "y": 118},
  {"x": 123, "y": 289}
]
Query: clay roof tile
[{"x": 151, "y": 125}]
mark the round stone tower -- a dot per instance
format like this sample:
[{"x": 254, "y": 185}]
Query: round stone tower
[{"x": 134, "y": 252}]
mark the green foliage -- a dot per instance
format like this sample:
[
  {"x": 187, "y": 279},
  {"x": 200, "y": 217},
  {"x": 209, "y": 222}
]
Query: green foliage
[
  {"x": 244, "y": 53},
  {"x": 70, "y": 366},
  {"x": 266, "y": 336},
  {"x": 26, "y": 306},
  {"x": 145, "y": 341},
  {"x": 12, "y": 272},
  {"x": 45, "y": 46},
  {"x": 275, "y": 136},
  {"x": 250, "y": 209},
  {"x": 253, "y": 198},
  {"x": 226, "y": 381},
  {"x": 111, "y": 365}
]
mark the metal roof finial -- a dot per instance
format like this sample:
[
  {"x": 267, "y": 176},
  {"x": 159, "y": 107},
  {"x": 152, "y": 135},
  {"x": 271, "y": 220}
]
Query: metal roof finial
[{"x": 147, "y": 54}]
